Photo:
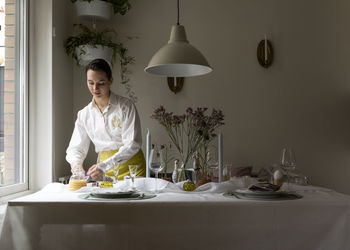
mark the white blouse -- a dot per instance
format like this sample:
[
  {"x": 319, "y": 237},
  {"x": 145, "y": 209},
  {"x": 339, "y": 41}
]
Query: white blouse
[{"x": 118, "y": 127}]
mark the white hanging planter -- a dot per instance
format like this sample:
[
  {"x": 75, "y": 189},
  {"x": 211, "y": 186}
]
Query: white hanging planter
[
  {"x": 87, "y": 53},
  {"x": 95, "y": 9}
]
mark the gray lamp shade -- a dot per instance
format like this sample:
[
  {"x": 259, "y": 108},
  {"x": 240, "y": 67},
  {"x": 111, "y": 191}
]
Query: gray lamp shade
[{"x": 178, "y": 58}]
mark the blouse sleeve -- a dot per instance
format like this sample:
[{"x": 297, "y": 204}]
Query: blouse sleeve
[
  {"x": 131, "y": 137},
  {"x": 79, "y": 143}
]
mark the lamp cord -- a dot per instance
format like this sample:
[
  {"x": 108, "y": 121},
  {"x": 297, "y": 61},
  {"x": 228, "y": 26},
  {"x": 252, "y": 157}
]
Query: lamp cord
[{"x": 178, "y": 13}]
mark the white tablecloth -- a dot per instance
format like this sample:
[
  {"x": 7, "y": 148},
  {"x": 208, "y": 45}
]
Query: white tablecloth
[{"x": 57, "y": 219}]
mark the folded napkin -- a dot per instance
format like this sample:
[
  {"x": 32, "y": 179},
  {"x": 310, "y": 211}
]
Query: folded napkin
[
  {"x": 141, "y": 184},
  {"x": 264, "y": 186},
  {"x": 214, "y": 187}
]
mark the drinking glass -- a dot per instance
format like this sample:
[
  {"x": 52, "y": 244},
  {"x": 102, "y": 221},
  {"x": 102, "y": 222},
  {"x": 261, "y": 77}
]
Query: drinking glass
[
  {"x": 288, "y": 163},
  {"x": 156, "y": 163},
  {"x": 103, "y": 177},
  {"x": 116, "y": 173},
  {"x": 133, "y": 170},
  {"x": 212, "y": 163},
  {"x": 227, "y": 171}
]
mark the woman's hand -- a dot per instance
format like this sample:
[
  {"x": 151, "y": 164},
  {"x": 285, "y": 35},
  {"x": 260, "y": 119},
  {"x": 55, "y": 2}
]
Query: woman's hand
[
  {"x": 76, "y": 167},
  {"x": 95, "y": 172}
]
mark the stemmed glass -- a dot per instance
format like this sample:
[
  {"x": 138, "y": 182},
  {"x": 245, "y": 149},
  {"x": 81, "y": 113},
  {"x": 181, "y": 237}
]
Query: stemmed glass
[
  {"x": 116, "y": 173},
  {"x": 103, "y": 177},
  {"x": 156, "y": 163},
  {"x": 288, "y": 163},
  {"x": 133, "y": 170}
]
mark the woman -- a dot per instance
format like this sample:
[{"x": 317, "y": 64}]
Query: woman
[{"x": 112, "y": 123}]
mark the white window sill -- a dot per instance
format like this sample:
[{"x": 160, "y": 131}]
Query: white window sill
[{"x": 5, "y": 199}]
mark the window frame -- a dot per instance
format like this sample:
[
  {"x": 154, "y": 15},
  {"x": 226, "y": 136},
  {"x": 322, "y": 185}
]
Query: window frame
[{"x": 21, "y": 100}]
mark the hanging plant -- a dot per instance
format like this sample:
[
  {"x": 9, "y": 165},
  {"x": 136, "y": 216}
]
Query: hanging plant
[
  {"x": 119, "y": 6},
  {"x": 76, "y": 46}
]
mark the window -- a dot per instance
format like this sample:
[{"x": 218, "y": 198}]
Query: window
[{"x": 13, "y": 97}]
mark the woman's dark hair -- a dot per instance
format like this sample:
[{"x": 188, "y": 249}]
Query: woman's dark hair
[{"x": 100, "y": 65}]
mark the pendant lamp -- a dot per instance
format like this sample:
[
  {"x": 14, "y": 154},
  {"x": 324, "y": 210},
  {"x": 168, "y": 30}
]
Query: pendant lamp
[{"x": 178, "y": 58}]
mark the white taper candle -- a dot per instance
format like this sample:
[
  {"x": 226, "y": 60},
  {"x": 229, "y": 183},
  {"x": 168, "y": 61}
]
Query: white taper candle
[
  {"x": 148, "y": 148},
  {"x": 265, "y": 47},
  {"x": 220, "y": 155}
]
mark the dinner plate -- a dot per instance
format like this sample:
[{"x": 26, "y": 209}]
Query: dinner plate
[
  {"x": 255, "y": 193},
  {"x": 247, "y": 194},
  {"x": 114, "y": 195},
  {"x": 111, "y": 197}
]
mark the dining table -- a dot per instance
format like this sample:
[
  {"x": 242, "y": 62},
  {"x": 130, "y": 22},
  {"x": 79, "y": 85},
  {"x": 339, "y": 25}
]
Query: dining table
[{"x": 210, "y": 217}]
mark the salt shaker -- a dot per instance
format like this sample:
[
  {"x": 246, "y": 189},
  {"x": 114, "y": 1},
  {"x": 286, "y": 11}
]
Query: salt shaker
[{"x": 175, "y": 171}]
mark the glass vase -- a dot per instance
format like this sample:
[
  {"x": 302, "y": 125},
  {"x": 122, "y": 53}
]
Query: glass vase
[
  {"x": 182, "y": 173},
  {"x": 203, "y": 176}
]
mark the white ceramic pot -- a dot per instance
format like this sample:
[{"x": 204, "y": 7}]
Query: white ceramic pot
[
  {"x": 95, "y": 9},
  {"x": 92, "y": 53}
]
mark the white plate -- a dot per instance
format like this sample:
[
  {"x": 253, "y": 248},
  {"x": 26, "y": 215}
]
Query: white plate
[
  {"x": 263, "y": 194},
  {"x": 113, "y": 195},
  {"x": 137, "y": 196}
]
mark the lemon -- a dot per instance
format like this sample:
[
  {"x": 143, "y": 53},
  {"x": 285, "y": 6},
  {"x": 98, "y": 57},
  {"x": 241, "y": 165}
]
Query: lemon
[
  {"x": 189, "y": 186},
  {"x": 106, "y": 184}
]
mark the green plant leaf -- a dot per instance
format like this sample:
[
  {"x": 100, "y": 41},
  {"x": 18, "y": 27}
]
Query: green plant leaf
[{"x": 106, "y": 37}]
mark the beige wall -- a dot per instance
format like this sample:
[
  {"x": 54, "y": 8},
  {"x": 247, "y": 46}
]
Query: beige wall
[
  {"x": 50, "y": 90},
  {"x": 40, "y": 94},
  {"x": 302, "y": 100},
  {"x": 62, "y": 87}
]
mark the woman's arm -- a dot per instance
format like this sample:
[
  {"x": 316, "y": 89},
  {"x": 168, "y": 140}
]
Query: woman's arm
[{"x": 79, "y": 144}]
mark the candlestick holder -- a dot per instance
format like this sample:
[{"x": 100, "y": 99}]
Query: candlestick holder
[
  {"x": 175, "y": 83},
  {"x": 265, "y": 55}
]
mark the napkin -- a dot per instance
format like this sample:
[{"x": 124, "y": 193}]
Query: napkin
[
  {"x": 264, "y": 186},
  {"x": 141, "y": 184},
  {"x": 215, "y": 187}
]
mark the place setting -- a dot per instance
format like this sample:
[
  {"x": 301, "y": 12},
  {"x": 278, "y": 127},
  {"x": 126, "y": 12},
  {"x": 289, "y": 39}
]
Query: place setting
[
  {"x": 276, "y": 189},
  {"x": 114, "y": 194},
  {"x": 117, "y": 190},
  {"x": 130, "y": 187},
  {"x": 263, "y": 191}
]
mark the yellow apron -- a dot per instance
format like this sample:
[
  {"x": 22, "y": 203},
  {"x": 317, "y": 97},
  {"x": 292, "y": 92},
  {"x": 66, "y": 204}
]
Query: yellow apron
[{"x": 137, "y": 159}]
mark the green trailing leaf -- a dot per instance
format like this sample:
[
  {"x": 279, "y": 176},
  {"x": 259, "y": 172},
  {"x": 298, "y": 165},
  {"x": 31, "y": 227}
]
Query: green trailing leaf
[{"x": 105, "y": 37}]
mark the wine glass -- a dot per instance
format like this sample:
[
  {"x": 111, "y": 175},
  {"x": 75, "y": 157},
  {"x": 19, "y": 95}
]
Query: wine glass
[
  {"x": 288, "y": 163},
  {"x": 156, "y": 163},
  {"x": 116, "y": 173},
  {"x": 132, "y": 171},
  {"x": 103, "y": 177}
]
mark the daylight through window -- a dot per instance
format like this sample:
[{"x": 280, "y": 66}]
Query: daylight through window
[{"x": 13, "y": 97}]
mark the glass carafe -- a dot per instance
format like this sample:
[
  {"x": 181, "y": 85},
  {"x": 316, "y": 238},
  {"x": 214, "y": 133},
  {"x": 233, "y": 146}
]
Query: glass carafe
[{"x": 77, "y": 180}]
